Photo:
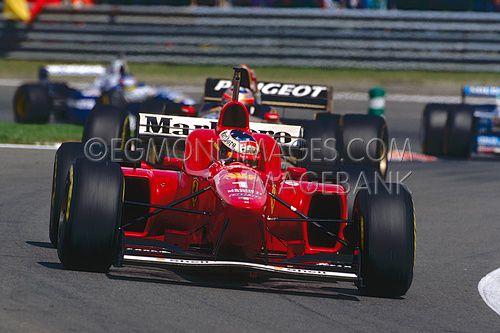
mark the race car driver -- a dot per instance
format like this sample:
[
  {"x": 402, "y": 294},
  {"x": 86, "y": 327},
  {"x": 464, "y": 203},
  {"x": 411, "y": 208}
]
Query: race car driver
[
  {"x": 238, "y": 146},
  {"x": 249, "y": 79},
  {"x": 116, "y": 71},
  {"x": 247, "y": 98}
]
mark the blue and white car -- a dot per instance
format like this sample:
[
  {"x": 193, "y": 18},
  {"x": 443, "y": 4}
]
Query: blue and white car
[
  {"x": 46, "y": 99},
  {"x": 463, "y": 129}
]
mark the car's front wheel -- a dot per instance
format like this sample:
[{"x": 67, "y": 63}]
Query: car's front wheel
[
  {"x": 385, "y": 222},
  {"x": 66, "y": 155},
  {"x": 91, "y": 216}
]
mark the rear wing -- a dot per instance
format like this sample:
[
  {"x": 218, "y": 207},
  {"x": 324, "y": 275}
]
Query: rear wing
[
  {"x": 70, "y": 70},
  {"x": 282, "y": 95},
  {"x": 480, "y": 91},
  {"x": 165, "y": 126}
]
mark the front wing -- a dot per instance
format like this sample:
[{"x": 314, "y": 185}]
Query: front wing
[{"x": 308, "y": 267}]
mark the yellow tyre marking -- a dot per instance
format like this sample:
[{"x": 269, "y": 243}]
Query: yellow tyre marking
[
  {"x": 383, "y": 162},
  {"x": 414, "y": 233},
  {"x": 53, "y": 200},
  {"x": 123, "y": 189},
  {"x": 20, "y": 106},
  {"x": 70, "y": 192},
  {"x": 125, "y": 125},
  {"x": 383, "y": 165},
  {"x": 105, "y": 99}
]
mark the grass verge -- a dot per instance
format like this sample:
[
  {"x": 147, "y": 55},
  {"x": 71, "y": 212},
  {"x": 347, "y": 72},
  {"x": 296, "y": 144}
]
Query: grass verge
[
  {"x": 39, "y": 133},
  {"x": 342, "y": 79}
]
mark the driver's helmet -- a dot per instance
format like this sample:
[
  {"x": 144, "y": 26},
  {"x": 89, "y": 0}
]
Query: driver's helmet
[
  {"x": 128, "y": 82},
  {"x": 252, "y": 78},
  {"x": 245, "y": 97},
  {"x": 118, "y": 67},
  {"x": 238, "y": 146}
]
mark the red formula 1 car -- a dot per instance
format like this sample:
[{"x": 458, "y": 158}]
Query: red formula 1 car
[{"x": 229, "y": 204}]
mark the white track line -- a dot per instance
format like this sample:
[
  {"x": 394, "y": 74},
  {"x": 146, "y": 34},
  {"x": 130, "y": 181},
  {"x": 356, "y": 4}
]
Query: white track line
[
  {"x": 489, "y": 289},
  {"x": 35, "y": 147},
  {"x": 10, "y": 82}
]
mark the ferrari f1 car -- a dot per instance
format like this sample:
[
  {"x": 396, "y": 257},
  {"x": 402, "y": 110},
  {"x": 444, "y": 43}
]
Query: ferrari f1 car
[
  {"x": 228, "y": 204},
  {"x": 114, "y": 86},
  {"x": 460, "y": 130}
]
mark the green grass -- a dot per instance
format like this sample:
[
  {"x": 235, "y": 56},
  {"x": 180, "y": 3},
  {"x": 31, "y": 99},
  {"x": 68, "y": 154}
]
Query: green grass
[
  {"x": 339, "y": 78},
  {"x": 39, "y": 133}
]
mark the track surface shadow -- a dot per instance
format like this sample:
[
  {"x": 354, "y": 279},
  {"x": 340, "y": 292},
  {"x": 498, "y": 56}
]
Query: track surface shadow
[
  {"x": 228, "y": 282},
  {"x": 45, "y": 245},
  {"x": 217, "y": 281},
  {"x": 51, "y": 265}
]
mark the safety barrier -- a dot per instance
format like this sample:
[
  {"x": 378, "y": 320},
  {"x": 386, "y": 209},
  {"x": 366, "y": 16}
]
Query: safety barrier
[{"x": 288, "y": 37}]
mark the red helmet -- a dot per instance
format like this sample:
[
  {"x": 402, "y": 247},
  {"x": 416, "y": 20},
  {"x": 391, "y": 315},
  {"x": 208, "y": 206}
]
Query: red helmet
[
  {"x": 245, "y": 97},
  {"x": 238, "y": 146},
  {"x": 249, "y": 79}
]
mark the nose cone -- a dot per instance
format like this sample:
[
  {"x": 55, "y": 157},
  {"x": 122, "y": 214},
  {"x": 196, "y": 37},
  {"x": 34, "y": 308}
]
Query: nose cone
[
  {"x": 243, "y": 195},
  {"x": 241, "y": 188}
]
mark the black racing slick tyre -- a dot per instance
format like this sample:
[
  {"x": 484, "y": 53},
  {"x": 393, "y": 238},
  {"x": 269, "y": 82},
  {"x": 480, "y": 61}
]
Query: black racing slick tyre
[
  {"x": 386, "y": 238},
  {"x": 114, "y": 98},
  {"x": 107, "y": 122},
  {"x": 434, "y": 119},
  {"x": 32, "y": 104},
  {"x": 153, "y": 106},
  {"x": 66, "y": 155},
  {"x": 320, "y": 146},
  {"x": 91, "y": 216},
  {"x": 459, "y": 132},
  {"x": 364, "y": 141},
  {"x": 323, "y": 116}
]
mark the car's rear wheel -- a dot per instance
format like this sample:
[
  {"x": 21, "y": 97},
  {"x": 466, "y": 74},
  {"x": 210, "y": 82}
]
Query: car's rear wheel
[
  {"x": 153, "y": 106},
  {"x": 107, "y": 122},
  {"x": 364, "y": 141},
  {"x": 433, "y": 129},
  {"x": 386, "y": 236},
  {"x": 66, "y": 155},
  {"x": 459, "y": 132},
  {"x": 91, "y": 216},
  {"x": 32, "y": 104},
  {"x": 114, "y": 98}
]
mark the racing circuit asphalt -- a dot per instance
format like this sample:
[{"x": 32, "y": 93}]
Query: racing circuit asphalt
[{"x": 457, "y": 244}]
